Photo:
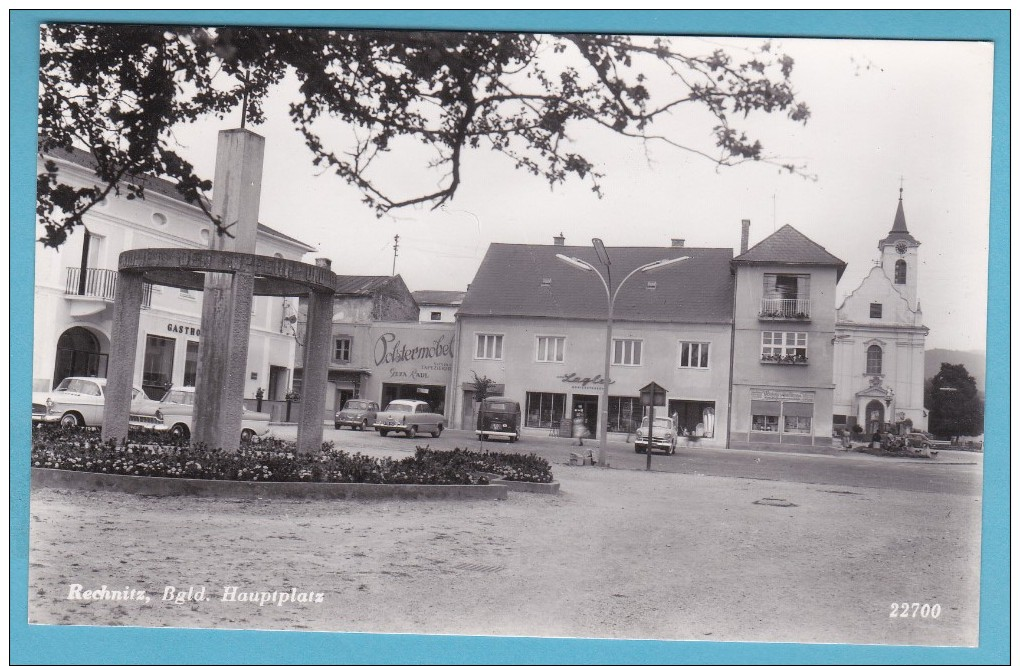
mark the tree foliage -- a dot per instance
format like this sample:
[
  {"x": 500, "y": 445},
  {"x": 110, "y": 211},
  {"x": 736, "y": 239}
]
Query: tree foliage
[
  {"x": 955, "y": 405},
  {"x": 482, "y": 386},
  {"x": 118, "y": 91}
]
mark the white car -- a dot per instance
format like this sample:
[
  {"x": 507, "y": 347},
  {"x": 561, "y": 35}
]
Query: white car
[
  {"x": 663, "y": 435},
  {"x": 78, "y": 402},
  {"x": 409, "y": 417},
  {"x": 174, "y": 412}
]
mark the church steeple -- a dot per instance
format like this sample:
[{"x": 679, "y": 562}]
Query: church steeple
[{"x": 899, "y": 228}]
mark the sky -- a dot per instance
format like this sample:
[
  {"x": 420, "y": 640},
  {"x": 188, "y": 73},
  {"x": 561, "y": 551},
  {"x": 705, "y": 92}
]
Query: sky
[{"x": 881, "y": 111}]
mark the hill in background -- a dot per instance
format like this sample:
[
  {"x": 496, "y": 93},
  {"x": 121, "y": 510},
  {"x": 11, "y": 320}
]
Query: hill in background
[{"x": 974, "y": 361}]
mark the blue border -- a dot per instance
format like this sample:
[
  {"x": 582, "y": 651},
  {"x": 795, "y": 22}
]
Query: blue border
[{"x": 40, "y": 644}]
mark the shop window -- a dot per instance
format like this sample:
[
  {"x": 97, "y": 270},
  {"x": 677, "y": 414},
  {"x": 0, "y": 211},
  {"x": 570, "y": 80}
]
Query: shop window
[
  {"x": 693, "y": 354},
  {"x": 876, "y": 310},
  {"x": 624, "y": 414},
  {"x": 342, "y": 350},
  {"x": 764, "y": 423},
  {"x": 874, "y": 360},
  {"x": 488, "y": 346},
  {"x": 157, "y": 366},
  {"x": 783, "y": 345},
  {"x": 626, "y": 352},
  {"x": 797, "y": 424},
  {"x": 550, "y": 349},
  {"x": 693, "y": 417},
  {"x": 190, "y": 363},
  {"x": 545, "y": 410}
]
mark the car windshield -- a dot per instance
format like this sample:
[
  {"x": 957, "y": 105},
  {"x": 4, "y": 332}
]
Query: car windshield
[
  {"x": 356, "y": 404},
  {"x": 660, "y": 422},
  {"x": 83, "y": 386},
  {"x": 396, "y": 407},
  {"x": 497, "y": 407},
  {"x": 179, "y": 397}
]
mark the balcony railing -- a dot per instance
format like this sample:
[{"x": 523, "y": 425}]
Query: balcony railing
[
  {"x": 787, "y": 359},
  {"x": 98, "y": 283},
  {"x": 785, "y": 308}
]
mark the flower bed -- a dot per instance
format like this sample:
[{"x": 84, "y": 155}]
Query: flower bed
[{"x": 154, "y": 455}]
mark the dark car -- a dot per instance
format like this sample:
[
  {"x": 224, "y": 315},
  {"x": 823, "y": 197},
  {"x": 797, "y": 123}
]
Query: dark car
[
  {"x": 356, "y": 413},
  {"x": 499, "y": 417}
]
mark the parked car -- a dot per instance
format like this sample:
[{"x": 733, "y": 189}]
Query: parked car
[
  {"x": 409, "y": 417},
  {"x": 499, "y": 417},
  {"x": 663, "y": 435},
  {"x": 357, "y": 414},
  {"x": 78, "y": 402},
  {"x": 174, "y": 413},
  {"x": 917, "y": 442}
]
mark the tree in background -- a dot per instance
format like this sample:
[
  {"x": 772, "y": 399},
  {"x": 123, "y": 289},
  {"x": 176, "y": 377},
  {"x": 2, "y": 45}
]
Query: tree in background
[
  {"x": 367, "y": 98},
  {"x": 954, "y": 403}
]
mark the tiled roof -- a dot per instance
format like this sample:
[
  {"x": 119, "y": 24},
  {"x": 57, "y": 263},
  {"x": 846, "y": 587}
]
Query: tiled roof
[
  {"x": 528, "y": 280},
  {"x": 450, "y": 298},
  {"x": 789, "y": 246},
  {"x": 363, "y": 285},
  {"x": 160, "y": 186}
]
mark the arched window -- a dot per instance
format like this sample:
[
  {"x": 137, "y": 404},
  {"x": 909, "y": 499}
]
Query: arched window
[
  {"x": 901, "y": 272},
  {"x": 874, "y": 360}
]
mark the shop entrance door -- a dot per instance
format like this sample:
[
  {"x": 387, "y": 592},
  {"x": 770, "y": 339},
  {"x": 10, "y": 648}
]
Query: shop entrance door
[{"x": 589, "y": 407}]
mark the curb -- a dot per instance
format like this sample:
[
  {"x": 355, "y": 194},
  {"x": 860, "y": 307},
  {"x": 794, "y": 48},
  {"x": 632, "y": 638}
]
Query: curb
[
  {"x": 552, "y": 488},
  {"x": 63, "y": 479}
]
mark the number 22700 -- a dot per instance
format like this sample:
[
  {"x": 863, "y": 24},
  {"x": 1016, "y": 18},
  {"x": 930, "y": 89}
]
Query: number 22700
[{"x": 913, "y": 610}]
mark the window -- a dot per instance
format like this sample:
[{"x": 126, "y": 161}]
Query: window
[
  {"x": 797, "y": 424},
  {"x": 626, "y": 352},
  {"x": 876, "y": 310},
  {"x": 874, "y": 360},
  {"x": 786, "y": 296},
  {"x": 342, "y": 350},
  {"x": 778, "y": 345},
  {"x": 190, "y": 363},
  {"x": 693, "y": 354},
  {"x": 545, "y": 410},
  {"x": 488, "y": 346},
  {"x": 436, "y": 315},
  {"x": 901, "y": 272},
  {"x": 764, "y": 423},
  {"x": 624, "y": 414},
  {"x": 550, "y": 349},
  {"x": 157, "y": 365}
]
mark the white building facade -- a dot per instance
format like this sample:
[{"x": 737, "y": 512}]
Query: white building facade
[
  {"x": 75, "y": 287},
  {"x": 878, "y": 363}
]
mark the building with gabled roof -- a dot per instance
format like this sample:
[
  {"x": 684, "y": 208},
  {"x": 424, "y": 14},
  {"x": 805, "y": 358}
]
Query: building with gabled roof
[
  {"x": 438, "y": 305},
  {"x": 879, "y": 345},
  {"x": 536, "y": 326}
]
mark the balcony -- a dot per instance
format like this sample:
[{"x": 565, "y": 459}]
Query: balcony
[
  {"x": 92, "y": 289},
  {"x": 784, "y": 359},
  {"x": 785, "y": 308}
]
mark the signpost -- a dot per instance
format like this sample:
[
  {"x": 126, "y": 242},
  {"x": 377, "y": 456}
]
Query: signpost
[{"x": 652, "y": 396}]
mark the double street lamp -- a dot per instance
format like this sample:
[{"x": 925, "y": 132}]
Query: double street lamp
[{"x": 607, "y": 282}]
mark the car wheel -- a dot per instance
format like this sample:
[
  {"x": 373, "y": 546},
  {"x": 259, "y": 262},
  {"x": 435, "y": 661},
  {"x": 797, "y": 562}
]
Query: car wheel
[
  {"x": 672, "y": 449},
  {"x": 364, "y": 426},
  {"x": 70, "y": 421},
  {"x": 336, "y": 426},
  {"x": 179, "y": 431},
  {"x": 382, "y": 433},
  {"x": 247, "y": 435},
  {"x": 638, "y": 449},
  {"x": 412, "y": 432},
  {"x": 438, "y": 431}
]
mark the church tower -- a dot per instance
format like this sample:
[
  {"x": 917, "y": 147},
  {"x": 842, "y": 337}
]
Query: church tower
[{"x": 899, "y": 256}]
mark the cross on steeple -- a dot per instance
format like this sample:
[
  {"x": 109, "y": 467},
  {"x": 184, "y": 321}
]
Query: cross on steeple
[{"x": 901, "y": 188}]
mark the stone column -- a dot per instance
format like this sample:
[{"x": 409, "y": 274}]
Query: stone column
[
  {"x": 315, "y": 369},
  {"x": 226, "y": 307},
  {"x": 123, "y": 346}
]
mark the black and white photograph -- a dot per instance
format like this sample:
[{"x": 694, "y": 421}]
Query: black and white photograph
[{"x": 510, "y": 334}]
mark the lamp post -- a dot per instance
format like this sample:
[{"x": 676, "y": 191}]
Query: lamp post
[{"x": 611, "y": 295}]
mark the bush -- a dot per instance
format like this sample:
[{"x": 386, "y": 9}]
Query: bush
[{"x": 155, "y": 454}]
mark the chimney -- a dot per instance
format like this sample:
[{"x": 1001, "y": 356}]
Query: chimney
[
  {"x": 323, "y": 262},
  {"x": 745, "y": 233},
  {"x": 677, "y": 242},
  {"x": 559, "y": 240}
]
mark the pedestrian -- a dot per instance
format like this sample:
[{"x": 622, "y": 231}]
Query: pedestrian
[{"x": 578, "y": 427}]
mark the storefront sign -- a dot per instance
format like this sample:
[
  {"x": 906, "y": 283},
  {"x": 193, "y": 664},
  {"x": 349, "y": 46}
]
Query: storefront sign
[
  {"x": 783, "y": 396},
  {"x": 388, "y": 350},
  {"x": 187, "y": 330},
  {"x": 583, "y": 382}
]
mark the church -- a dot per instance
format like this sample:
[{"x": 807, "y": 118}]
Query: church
[{"x": 878, "y": 355}]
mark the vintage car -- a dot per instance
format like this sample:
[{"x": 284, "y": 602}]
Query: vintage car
[
  {"x": 499, "y": 417},
  {"x": 173, "y": 414},
  {"x": 357, "y": 414},
  {"x": 409, "y": 417},
  {"x": 78, "y": 402},
  {"x": 663, "y": 435}
]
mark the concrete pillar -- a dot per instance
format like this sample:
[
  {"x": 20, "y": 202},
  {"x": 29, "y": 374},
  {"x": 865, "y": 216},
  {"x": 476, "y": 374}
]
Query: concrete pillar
[
  {"x": 315, "y": 369},
  {"x": 123, "y": 346},
  {"x": 226, "y": 307}
]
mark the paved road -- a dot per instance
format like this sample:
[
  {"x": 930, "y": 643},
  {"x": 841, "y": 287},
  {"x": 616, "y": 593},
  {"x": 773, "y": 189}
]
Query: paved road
[{"x": 955, "y": 473}]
